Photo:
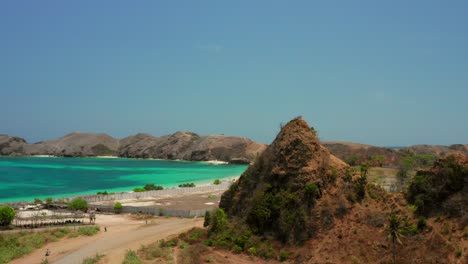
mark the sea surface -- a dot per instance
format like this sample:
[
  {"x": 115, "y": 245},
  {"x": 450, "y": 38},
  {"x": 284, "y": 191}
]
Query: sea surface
[{"x": 26, "y": 178}]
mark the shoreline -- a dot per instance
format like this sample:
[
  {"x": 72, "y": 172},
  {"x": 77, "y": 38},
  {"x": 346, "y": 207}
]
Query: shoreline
[
  {"x": 203, "y": 183},
  {"x": 211, "y": 162}
]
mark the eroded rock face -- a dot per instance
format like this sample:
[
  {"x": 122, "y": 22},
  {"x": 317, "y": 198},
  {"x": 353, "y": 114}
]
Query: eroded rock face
[
  {"x": 274, "y": 190},
  {"x": 180, "y": 145}
]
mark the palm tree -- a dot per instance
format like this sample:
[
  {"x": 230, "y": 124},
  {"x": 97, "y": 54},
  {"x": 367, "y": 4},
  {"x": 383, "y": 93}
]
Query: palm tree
[{"x": 394, "y": 229}]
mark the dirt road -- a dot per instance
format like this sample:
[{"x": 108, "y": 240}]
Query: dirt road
[{"x": 122, "y": 234}]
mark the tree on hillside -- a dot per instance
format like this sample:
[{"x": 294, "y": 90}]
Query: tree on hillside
[
  {"x": 7, "y": 214},
  {"x": 394, "y": 230}
]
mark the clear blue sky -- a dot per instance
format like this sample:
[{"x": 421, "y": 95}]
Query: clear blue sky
[{"x": 377, "y": 72}]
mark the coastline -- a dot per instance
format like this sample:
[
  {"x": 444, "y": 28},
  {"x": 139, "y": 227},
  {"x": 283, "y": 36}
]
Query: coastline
[
  {"x": 91, "y": 193},
  {"x": 211, "y": 162},
  {"x": 203, "y": 174}
]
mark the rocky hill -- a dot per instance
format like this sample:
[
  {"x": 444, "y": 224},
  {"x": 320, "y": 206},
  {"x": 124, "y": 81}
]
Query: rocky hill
[
  {"x": 300, "y": 204},
  {"x": 276, "y": 195},
  {"x": 180, "y": 145}
]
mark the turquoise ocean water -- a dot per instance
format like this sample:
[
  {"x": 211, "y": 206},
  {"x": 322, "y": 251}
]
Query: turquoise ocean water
[{"x": 26, "y": 178}]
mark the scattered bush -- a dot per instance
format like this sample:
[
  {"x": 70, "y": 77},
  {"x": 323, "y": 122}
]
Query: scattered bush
[
  {"x": 92, "y": 260},
  {"x": 168, "y": 243},
  {"x": 191, "y": 254},
  {"x": 422, "y": 223},
  {"x": 102, "y": 193},
  {"x": 88, "y": 230},
  {"x": 216, "y": 182},
  {"x": 118, "y": 207},
  {"x": 185, "y": 185},
  {"x": 15, "y": 245},
  {"x": 218, "y": 221},
  {"x": 459, "y": 253},
  {"x": 48, "y": 201},
  {"x": 283, "y": 256},
  {"x": 139, "y": 189},
  {"x": 252, "y": 251},
  {"x": 152, "y": 187},
  {"x": 37, "y": 201},
  {"x": 7, "y": 214},
  {"x": 236, "y": 249},
  {"x": 132, "y": 258},
  {"x": 78, "y": 204},
  {"x": 360, "y": 185},
  {"x": 348, "y": 176}
]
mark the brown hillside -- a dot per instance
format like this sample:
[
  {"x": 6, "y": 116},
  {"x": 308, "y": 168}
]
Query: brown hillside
[
  {"x": 344, "y": 220},
  {"x": 273, "y": 190}
]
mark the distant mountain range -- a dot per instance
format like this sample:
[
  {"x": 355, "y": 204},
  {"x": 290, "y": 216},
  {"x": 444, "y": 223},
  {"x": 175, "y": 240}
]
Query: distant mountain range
[
  {"x": 180, "y": 145},
  {"x": 193, "y": 147}
]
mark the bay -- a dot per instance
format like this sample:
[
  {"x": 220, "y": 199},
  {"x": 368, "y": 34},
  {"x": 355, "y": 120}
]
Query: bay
[{"x": 26, "y": 178}]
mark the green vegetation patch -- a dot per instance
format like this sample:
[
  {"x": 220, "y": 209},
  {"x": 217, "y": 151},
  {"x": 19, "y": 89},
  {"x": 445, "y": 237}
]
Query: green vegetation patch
[
  {"x": 7, "y": 214},
  {"x": 16, "y": 245},
  {"x": 78, "y": 204},
  {"x": 93, "y": 260},
  {"x": 132, "y": 258}
]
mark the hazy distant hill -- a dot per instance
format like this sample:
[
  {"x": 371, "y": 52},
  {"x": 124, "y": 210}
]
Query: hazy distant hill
[
  {"x": 355, "y": 153},
  {"x": 180, "y": 145}
]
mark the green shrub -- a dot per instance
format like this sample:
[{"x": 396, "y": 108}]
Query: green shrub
[
  {"x": 219, "y": 220},
  {"x": 7, "y": 214},
  {"x": 132, "y": 258},
  {"x": 78, "y": 204},
  {"x": 236, "y": 249},
  {"x": 360, "y": 186},
  {"x": 156, "y": 251},
  {"x": 216, "y": 182},
  {"x": 422, "y": 223},
  {"x": 37, "y": 201},
  {"x": 168, "y": 243},
  {"x": 252, "y": 251},
  {"x": 48, "y": 200},
  {"x": 459, "y": 253},
  {"x": 139, "y": 189},
  {"x": 191, "y": 254},
  {"x": 348, "y": 176},
  {"x": 88, "y": 230},
  {"x": 118, "y": 207},
  {"x": 152, "y": 187},
  {"x": 102, "y": 193},
  {"x": 92, "y": 260},
  {"x": 185, "y": 185},
  {"x": 283, "y": 256}
]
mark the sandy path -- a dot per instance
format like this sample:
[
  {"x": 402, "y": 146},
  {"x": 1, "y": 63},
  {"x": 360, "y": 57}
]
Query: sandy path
[{"x": 122, "y": 233}]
